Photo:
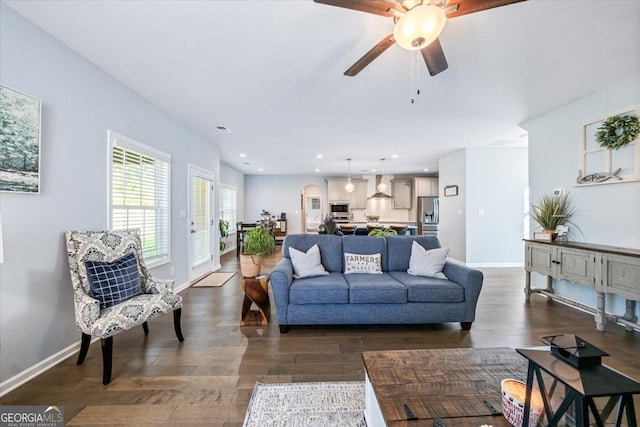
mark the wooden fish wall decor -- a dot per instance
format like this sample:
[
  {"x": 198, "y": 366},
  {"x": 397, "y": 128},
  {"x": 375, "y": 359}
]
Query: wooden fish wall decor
[{"x": 598, "y": 176}]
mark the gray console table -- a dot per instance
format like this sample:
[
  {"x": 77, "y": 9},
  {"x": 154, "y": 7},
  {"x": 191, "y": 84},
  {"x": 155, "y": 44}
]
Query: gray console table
[{"x": 605, "y": 269}]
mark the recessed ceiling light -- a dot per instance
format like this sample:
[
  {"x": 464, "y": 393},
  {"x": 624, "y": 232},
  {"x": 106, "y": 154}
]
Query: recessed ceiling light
[
  {"x": 426, "y": 169},
  {"x": 395, "y": 156},
  {"x": 243, "y": 155},
  {"x": 223, "y": 129},
  {"x": 317, "y": 170},
  {"x": 260, "y": 169},
  {"x": 319, "y": 156}
]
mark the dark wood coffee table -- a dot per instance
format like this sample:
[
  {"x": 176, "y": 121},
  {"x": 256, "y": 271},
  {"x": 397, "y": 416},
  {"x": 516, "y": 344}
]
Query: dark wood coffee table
[{"x": 457, "y": 385}]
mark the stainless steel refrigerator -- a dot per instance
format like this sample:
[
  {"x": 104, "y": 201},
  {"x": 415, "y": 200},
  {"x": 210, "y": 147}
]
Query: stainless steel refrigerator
[{"x": 428, "y": 216}]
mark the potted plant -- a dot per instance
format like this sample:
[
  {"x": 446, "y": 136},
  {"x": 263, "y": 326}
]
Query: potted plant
[
  {"x": 372, "y": 218},
  {"x": 223, "y": 228},
  {"x": 553, "y": 211},
  {"x": 258, "y": 243},
  {"x": 381, "y": 232},
  {"x": 329, "y": 226}
]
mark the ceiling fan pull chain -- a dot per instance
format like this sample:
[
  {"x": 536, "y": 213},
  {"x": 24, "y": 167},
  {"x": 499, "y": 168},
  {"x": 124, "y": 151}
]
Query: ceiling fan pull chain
[
  {"x": 412, "y": 79},
  {"x": 418, "y": 72}
]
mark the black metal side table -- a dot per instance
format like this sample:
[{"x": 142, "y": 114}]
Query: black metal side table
[{"x": 582, "y": 386}]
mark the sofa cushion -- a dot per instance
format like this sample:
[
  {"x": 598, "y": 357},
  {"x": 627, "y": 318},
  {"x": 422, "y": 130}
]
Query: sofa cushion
[
  {"x": 427, "y": 263},
  {"x": 367, "y": 288},
  {"x": 366, "y": 245},
  {"x": 114, "y": 282},
  {"x": 429, "y": 289},
  {"x": 399, "y": 249},
  {"x": 365, "y": 264},
  {"x": 307, "y": 264},
  {"x": 329, "y": 289},
  {"x": 330, "y": 248}
]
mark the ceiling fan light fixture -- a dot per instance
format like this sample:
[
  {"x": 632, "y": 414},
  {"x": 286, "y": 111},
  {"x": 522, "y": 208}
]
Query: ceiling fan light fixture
[{"x": 419, "y": 27}]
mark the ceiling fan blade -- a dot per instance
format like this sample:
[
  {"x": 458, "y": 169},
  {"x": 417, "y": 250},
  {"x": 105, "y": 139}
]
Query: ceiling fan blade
[
  {"x": 378, "y": 7},
  {"x": 466, "y": 7},
  {"x": 368, "y": 57},
  {"x": 434, "y": 58}
]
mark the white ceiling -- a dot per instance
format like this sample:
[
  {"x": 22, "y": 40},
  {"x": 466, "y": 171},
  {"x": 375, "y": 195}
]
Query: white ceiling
[{"x": 271, "y": 71}]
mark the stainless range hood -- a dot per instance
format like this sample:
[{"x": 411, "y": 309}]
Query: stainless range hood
[{"x": 379, "y": 194}]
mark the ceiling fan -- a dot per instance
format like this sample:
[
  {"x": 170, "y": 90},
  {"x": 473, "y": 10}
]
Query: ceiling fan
[{"x": 418, "y": 23}]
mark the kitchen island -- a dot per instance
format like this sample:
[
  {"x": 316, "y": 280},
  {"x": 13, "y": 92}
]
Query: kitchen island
[{"x": 362, "y": 228}]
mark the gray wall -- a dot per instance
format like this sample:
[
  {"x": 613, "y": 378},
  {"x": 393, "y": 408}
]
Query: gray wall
[
  {"x": 79, "y": 103},
  {"x": 607, "y": 214},
  {"x": 491, "y": 180},
  {"x": 496, "y": 184},
  {"x": 453, "y": 226},
  {"x": 278, "y": 194}
]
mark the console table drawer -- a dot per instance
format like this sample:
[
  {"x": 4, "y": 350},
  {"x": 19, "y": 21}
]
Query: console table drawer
[
  {"x": 577, "y": 267},
  {"x": 621, "y": 276}
]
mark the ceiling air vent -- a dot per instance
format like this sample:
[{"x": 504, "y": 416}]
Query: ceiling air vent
[{"x": 223, "y": 129}]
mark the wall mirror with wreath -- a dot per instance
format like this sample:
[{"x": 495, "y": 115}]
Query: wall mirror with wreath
[{"x": 609, "y": 150}]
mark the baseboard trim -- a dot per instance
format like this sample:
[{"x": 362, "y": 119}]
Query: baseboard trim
[
  {"x": 51, "y": 361},
  {"x": 495, "y": 264},
  {"x": 227, "y": 250},
  {"x": 39, "y": 368},
  {"x": 182, "y": 287}
]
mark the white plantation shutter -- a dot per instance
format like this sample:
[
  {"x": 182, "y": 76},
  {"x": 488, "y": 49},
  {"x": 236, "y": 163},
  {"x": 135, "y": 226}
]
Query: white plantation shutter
[
  {"x": 201, "y": 221},
  {"x": 139, "y": 183}
]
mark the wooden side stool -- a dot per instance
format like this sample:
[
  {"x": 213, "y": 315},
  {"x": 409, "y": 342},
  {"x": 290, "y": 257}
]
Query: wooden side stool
[{"x": 256, "y": 290}]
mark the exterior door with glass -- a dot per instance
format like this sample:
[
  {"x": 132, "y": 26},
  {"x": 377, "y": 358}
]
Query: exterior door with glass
[{"x": 201, "y": 228}]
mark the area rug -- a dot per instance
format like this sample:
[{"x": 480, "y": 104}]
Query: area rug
[
  {"x": 213, "y": 280},
  {"x": 322, "y": 404}
]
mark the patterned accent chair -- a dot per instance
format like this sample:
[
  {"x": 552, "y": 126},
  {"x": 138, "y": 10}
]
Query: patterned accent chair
[{"x": 157, "y": 296}]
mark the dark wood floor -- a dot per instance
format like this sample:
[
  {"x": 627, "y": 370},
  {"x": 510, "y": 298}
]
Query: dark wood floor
[{"x": 208, "y": 379}]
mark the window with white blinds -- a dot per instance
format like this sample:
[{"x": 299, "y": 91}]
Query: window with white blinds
[
  {"x": 228, "y": 206},
  {"x": 139, "y": 178},
  {"x": 201, "y": 221}
]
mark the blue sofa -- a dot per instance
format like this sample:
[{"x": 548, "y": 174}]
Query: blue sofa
[{"x": 394, "y": 297}]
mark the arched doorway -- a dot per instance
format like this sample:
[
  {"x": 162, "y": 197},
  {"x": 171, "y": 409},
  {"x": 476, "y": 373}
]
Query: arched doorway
[{"x": 312, "y": 208}]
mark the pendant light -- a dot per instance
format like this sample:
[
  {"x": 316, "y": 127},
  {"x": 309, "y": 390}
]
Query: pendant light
[
  {"x": 349, "y": 187},
  {"x": 382, "y": 187}
]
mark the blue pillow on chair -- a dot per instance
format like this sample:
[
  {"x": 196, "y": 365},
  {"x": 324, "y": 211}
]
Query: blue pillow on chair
[{"x": 114, "y": 282}]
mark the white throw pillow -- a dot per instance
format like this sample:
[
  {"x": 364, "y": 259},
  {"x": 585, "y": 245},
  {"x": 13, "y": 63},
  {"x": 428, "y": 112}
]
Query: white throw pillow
[
  {"x": 428, "y": 263},
  {"x": 307, "y": 264},
  {"x": 358, "y": 263}
]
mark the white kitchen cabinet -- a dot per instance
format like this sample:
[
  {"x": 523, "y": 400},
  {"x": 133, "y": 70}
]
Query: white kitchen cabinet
[
  {"x": 358, "y": 198},
  {"x": 336, "y": 191},
  {"x": 402, "y": 193},
  {"x": 426, "y": 186}
]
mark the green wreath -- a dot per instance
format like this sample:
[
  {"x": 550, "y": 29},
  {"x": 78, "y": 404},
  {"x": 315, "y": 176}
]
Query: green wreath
[{"x": 617, "y": 131}]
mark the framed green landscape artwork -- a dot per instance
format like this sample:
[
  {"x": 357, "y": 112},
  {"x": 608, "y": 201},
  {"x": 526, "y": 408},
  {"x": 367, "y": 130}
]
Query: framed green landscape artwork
[{"x": 19, "y": 141}]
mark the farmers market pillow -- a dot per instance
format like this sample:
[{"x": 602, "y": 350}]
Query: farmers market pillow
[{"x": 362, "y": 263}]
